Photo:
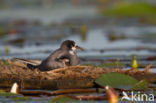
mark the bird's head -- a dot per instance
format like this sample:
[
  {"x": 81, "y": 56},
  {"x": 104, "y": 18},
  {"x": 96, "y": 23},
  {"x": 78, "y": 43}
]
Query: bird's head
[{"x": 70, "y": 45}]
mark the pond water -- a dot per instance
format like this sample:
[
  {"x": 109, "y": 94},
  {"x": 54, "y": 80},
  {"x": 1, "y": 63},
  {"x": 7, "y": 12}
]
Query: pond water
[{"x": 97, "y": 44}]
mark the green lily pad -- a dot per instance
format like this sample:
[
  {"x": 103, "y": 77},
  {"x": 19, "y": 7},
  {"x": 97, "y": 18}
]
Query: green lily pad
[
  {"x": 116, "y": 80},
  {"x": 62, "y": 99},
  {"x": 143, "y": 84}
]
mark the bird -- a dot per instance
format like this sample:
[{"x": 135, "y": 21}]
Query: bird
[{"x": 64, "y": 56}]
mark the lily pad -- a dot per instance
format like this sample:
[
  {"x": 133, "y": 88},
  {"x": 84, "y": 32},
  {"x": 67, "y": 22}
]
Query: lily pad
[
  {"x": 143, "y": 84},
  {"x": 116, "y": 80},
  {"x": 62, "y": 99}
]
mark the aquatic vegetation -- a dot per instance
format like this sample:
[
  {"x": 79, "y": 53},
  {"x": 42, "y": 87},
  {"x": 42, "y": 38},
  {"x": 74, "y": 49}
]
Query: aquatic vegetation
[
  {"x": 21, "y": 99},
  {"x": 83, "y": 32},
  {"x": 131, "y": 10},
  {"x": 154, "y": 92},
  {"x": 143, "y": 84},
  {"x": 134, "y": 63},
  {"x": 2, "y": 93},
  {"x": 3, "y": 32},
  {"x": 7, "y": 49},
  {"x": 92, "y": 65},
  {"x": 116, "y": 64},
  {"x": 113, "y": 37},
  {"x": 5, "y": 62},
  {"x": 62, "y": 99},
  {"x": 120, "y": 81},
  {"x": 149, "y": 36}
]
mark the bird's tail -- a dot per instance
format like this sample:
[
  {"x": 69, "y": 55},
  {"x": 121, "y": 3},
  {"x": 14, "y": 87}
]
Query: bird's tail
[{"x": 32, "y": 64}]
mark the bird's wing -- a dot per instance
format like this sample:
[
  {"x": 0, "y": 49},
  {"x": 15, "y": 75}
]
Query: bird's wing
[
  {"x": 58, "y": 55},
  {"x": 33, "y": 62},
  {"x": 63, "y": 57}
]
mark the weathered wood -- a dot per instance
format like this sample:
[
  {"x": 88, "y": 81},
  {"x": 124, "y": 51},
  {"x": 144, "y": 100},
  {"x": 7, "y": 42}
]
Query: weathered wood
[{"x": 62, "y": 78}]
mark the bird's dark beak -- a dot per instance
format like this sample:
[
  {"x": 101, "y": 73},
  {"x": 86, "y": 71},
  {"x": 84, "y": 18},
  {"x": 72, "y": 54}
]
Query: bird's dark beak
[{"x": 78, "y": 47}]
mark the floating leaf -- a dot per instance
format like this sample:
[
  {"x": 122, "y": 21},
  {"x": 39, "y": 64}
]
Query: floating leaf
[
  {"x": 116, "y": 80},
  {"x": 62, "y": 99},
  {"x": 143, "y": 84}
]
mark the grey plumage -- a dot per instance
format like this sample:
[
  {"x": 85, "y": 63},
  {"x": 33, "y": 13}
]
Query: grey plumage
[
  {"x": 67, "y": 50},
  {"x": 56, "y": 60}
]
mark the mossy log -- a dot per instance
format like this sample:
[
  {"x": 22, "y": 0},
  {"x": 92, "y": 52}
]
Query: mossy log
[{"x": 61, "y": 78}]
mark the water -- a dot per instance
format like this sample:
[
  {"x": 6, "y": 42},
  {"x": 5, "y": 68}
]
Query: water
[{"x": 92, "y": 45}]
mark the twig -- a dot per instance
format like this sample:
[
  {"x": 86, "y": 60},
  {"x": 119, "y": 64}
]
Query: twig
[{"x": 147, "y": 68}]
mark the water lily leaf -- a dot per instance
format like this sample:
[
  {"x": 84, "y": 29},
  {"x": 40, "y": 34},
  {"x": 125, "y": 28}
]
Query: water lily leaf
[
  {"x": 143, "y": 84},
  {"x": 116, "y": 80},
  {"x": 62, "y": 99}
]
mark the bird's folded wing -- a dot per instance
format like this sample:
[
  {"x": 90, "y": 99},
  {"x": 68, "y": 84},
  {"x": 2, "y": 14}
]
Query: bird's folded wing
[{"x": 33, "y": 62}]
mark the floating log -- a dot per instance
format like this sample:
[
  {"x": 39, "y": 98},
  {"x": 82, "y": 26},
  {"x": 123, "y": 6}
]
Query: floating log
[{"x": 61, "y": 78}]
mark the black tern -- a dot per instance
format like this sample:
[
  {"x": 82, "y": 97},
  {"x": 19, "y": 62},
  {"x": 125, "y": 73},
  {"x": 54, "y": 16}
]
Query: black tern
[{"x": 58, "y": 59}]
